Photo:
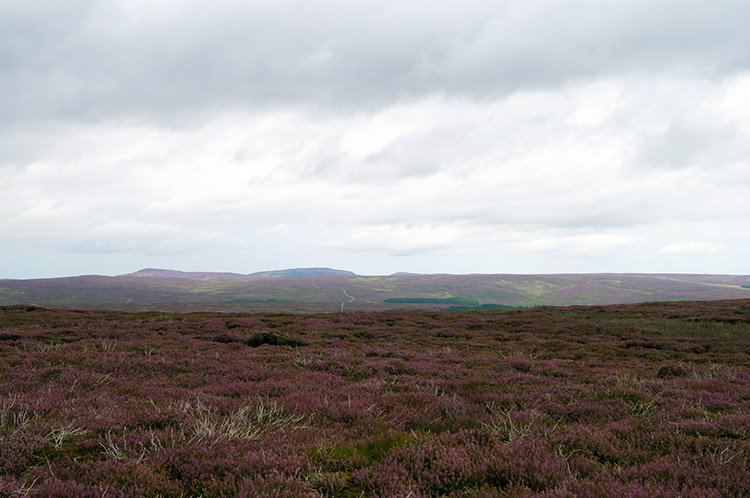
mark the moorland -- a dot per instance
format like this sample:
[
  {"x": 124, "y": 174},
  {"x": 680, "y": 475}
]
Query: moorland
[
  {"x": 309, "y": 290},
  {"x": 639, "y": 400}
]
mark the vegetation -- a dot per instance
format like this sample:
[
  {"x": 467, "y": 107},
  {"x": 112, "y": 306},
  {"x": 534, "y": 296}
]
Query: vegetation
[
  {"x": 648, "y": 400},
  {"x": 272, "y": 338},
  {"x": 269, "y": 300},
  {"x": 466, "y": 301},
  {"x": 288, "y": 292},
  {"x": 481, "y": 307}
]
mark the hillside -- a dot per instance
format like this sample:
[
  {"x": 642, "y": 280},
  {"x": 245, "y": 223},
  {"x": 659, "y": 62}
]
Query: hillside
[
  {"x": 303, "y": 272},
  {"x": 315, "y": 290}
]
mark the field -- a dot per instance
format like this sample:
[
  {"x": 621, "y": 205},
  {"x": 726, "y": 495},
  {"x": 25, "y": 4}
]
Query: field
[{"x": 642, "y": 400}]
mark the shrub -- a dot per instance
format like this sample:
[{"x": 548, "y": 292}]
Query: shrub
[
  {"x": 671, "y": 371},
  {"x": 227, "y": 338},
  {"x": 273, "y": 339}
]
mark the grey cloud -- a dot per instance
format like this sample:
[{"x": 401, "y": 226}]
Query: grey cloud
[
  {"x": 682, "y": 144},
  {"x": 140, "y": 237},
  {"x": 417, "y": 156},
  {"x": 678, "y": 146},
  {"x": 93, "y": 60}
]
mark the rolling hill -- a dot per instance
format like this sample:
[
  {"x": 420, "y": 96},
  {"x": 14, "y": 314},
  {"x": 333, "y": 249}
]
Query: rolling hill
[{"x": 324, "y": 289}]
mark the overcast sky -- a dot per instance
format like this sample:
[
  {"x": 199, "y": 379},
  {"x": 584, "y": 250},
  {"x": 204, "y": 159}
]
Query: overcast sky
[{"x": 518, "y": 136}]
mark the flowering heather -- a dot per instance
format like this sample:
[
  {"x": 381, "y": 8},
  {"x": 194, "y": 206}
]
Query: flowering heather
[{"x": 649, "y": 400}]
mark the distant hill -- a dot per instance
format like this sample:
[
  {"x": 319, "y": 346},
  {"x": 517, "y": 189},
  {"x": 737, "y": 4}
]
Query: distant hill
[
  {"x": 207, "y": 276},
  {"x": 303, "y": 272},
  {"x": 324, "y": 289},
  {"x": 187, "y": 275}
]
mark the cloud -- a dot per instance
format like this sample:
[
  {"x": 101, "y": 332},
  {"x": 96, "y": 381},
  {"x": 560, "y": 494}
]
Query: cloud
[
  {"x": 539, "y": 160},
  {"x": 177, "y": 61},
  {"x": 681, "y": 145},
  {"x": 145, "y": 238},
  {"x": 576, "y": 245},
  {"x": 399, "y": 240},
  {"x": 281, "y": 228},
  {"x": 688, "y": 248},
  {"x": 527, "y": 133}
]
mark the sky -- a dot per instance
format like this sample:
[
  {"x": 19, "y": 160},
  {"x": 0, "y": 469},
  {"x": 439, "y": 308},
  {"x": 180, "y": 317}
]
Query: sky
[{"x": 517, "y": 136}]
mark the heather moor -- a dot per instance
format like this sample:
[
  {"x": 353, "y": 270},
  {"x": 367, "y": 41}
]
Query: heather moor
[
  {"x": 638, "y": 400},
  {"x": 310, "y": 290}
]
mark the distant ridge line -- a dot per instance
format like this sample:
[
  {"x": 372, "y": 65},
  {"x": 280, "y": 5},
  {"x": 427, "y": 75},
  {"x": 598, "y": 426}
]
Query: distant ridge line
[
  {"x": 324, "y": 289},
  {"x": 193, "y": 275},
  {"x": 303, "y": 272}
]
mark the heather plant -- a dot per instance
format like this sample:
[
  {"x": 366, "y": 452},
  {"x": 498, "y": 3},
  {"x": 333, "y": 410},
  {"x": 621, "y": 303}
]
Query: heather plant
[
  {"x": 273, "y": 339},
  {"x": 640, "y": 400}
]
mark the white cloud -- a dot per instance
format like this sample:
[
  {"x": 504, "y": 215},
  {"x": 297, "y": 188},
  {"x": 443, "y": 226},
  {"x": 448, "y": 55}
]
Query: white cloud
[
  {"x": 576, "y": 245},
  {"x": 400, "y": 240},
  {"x": 282, "y": 228},
  {"x": 436, "y": 168},
  {"x": 687, "y": 248},
  {"x": 145, "y": 238}
]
